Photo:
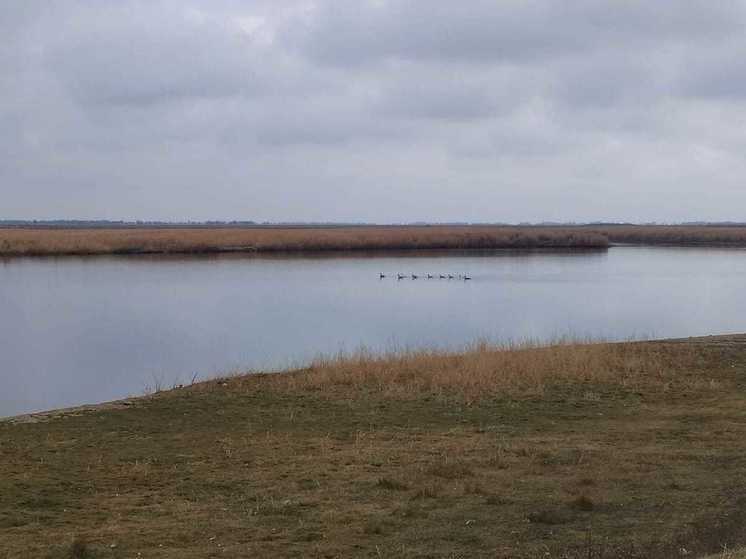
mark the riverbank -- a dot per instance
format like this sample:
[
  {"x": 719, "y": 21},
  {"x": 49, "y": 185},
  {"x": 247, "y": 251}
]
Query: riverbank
[
  {"x": 633, "y": 449},
  {"x": 51, "y": 241}
]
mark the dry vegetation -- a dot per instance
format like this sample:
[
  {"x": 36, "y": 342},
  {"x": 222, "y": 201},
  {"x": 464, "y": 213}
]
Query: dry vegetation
[
  {"x": 687, "y": 235},
  {"x": 729, "y": 554},
  {"x": 576, "y": 451},
  {"x": 15, "y": 242},
  {"x": 63, "y": 241},
  {"x": 485, "y": 371}
]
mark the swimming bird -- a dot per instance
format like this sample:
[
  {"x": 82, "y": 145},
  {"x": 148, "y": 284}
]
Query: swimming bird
[
  {"x": 381, "y": 276},
  {"x": 429, "y": 276},
  {"x": 399, "y": 276},
  {"x": 441, "y": 276},
  {"x": 450, "y": 276},
  {"x": 466, "y": 277},
  {"x": 414, "y": 276}
]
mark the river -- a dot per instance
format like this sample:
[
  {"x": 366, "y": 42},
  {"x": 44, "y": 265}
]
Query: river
[{"x": 85, "y": 330}]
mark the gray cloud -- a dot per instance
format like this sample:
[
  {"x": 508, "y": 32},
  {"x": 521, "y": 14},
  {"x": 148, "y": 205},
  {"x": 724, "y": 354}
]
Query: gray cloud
[
  {"x": 516, "y": 30},
  {"x": 381, "y": 110}
]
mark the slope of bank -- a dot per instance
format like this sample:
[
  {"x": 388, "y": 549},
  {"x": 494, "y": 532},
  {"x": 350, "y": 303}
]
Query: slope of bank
[{"x": 604, "y": 450}]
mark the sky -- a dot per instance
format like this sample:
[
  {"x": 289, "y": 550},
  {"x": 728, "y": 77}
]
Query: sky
[{"x": 380, "y": 111}]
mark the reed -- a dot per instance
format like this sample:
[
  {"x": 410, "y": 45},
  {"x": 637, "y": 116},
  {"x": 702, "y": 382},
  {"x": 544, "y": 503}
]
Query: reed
[
  {"x": 23, "y": 241},
  {"x": 676, "y": 235},
  {"x": 40, "y": 242}
]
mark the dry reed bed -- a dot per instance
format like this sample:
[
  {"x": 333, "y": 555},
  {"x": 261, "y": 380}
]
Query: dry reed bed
[
  {"x": 674, "y": 234},
  {"x": 488, "y": 371},
  {"x": 39, "y": 242}
]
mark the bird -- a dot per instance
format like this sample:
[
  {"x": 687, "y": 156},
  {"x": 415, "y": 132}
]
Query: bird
[
  {"x": 441, "y": 276},
  {"x": 466, "y": 277},
  {"x": 414, "y": 276},
  {"x": 429, "y": 276},
  {"x": 381, "y": 275},
  {"x": 450, "y": 276},
  {"x": 399, "y": 276}
]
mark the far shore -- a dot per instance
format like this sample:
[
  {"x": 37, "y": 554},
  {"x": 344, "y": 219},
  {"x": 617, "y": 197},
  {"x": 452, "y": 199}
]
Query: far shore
[
  {"x": 202, "y": 240},
  {"x": 206, "y": 239},
  {"x": 79, "y": 241}
]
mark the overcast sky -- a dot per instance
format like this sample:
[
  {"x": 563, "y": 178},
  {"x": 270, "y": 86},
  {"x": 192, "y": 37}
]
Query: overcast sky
[{"x": 379, "y": 110}]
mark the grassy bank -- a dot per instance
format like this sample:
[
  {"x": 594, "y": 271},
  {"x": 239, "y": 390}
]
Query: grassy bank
[
  {"x": 610, "y": 450},
  {"x": 19, "y": 242}
]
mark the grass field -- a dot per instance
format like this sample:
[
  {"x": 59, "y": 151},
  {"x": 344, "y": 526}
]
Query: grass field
[
  {"x": 133, "y": 240},
  {"x": 574, "y": 451},
  {"x": 729, "y": 554}
]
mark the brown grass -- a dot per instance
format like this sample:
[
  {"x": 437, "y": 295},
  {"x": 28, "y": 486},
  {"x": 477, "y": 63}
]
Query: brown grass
[
  {"x": 677, "y": 235},
  {"x": 16, "y": 242},
  {"x": 126, "y": 240},
  {"x": 729, "y": 554},
  {"x": 576, "y": 451},
  {"x": 486, "y": 371}
]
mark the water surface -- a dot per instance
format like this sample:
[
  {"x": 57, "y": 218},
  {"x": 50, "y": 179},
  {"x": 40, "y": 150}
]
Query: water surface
[{"x": 82, "y": 330}]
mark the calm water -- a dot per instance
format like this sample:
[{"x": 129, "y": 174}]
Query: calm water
[{"x": 76, "y": 331}]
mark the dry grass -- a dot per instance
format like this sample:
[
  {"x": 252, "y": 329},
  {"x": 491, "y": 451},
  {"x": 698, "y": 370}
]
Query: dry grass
[
  {"x": 585, "y": 451},
  {"x": 51, "y": 241},
  {"x": 686, "y": 235},
  {"x": 729, "y": 554},
  {"x": 487, "y": 371},
  {"x": 15, "y": 242}
]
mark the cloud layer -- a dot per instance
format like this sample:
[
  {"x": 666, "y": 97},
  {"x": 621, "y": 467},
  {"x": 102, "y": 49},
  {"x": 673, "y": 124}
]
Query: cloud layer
[{"x": 379, "y": 110}]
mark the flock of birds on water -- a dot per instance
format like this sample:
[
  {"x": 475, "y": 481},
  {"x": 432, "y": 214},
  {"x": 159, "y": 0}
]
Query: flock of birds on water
[{"x": 463, "y": 277}]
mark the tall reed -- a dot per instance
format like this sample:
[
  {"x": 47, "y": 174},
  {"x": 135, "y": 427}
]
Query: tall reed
[{"x": 205, "y": 240}]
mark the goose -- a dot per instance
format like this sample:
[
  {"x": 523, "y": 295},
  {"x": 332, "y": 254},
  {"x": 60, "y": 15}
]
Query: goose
[{"x": 399, "y": 276}]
